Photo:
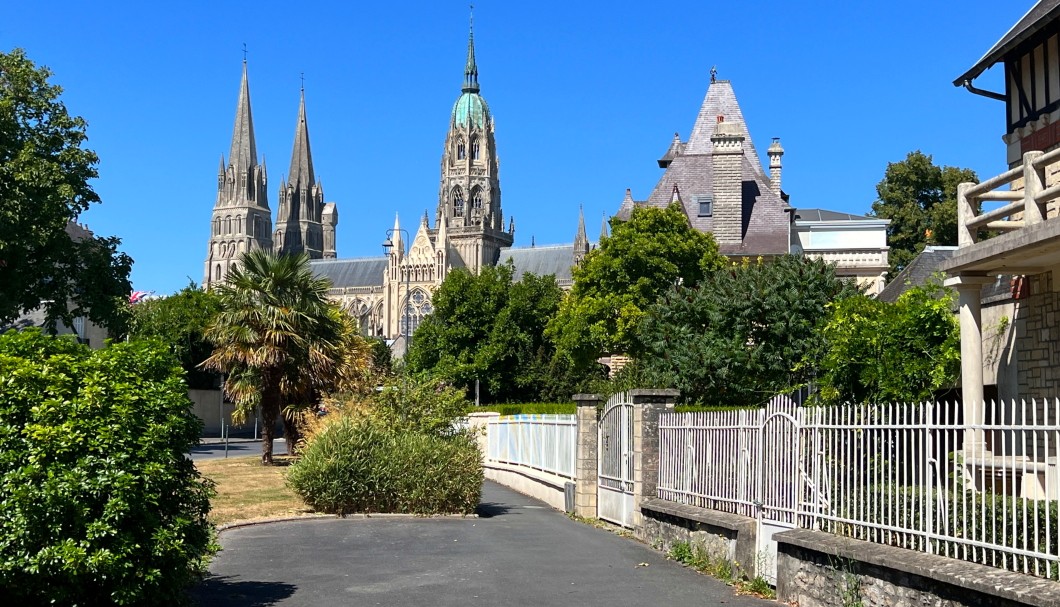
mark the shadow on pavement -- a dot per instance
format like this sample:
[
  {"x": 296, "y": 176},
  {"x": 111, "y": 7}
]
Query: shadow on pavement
[
  {"x": 492, "y": 509},
  {"x": 224, "y": 591}
]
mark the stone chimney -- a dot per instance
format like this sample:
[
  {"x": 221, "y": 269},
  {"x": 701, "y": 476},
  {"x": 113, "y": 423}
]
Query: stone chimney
[
  {"x": 775, "y": 153},
  {"x": 728, "y": 182}
]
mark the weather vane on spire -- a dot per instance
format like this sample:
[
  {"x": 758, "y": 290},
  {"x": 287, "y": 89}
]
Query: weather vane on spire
[
  {"x": 713, "y": 74},
  {"x": 244, "y": 52},
  {"x": 302, "y": 76}
]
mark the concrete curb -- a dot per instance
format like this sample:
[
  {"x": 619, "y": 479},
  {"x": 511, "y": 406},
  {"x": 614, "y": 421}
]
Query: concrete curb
[{"x": 314, "y": 517}]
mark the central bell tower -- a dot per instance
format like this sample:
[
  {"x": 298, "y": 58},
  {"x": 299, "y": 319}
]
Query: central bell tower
[{"x": 469, "y": 198}]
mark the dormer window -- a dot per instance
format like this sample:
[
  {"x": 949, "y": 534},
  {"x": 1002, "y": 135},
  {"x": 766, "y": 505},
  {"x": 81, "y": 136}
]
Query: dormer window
[{"x": 706, "y": 205}]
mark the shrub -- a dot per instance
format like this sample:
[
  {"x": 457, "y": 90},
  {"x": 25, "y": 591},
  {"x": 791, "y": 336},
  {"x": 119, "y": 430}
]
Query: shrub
[
  {"x": 98, "y": 502},
  {"x": 365, "y": 463}
]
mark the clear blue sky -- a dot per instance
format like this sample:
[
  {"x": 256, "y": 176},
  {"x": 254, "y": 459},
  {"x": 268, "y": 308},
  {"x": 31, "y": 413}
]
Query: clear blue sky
[{"x": 586, "y": 96}]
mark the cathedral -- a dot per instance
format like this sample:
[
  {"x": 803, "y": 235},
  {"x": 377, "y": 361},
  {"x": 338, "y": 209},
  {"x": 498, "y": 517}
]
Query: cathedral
[
  {"x": 716, "y": 176},
  {"x": 389, "y": 295}
]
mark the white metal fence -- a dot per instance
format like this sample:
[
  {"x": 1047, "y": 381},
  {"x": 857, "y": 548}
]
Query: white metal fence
[
  {"x": 542, "y": 442},
  {"x": 914, "y": 476}
]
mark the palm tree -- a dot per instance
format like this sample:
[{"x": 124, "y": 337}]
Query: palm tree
[{"x": 278, "y": 339}]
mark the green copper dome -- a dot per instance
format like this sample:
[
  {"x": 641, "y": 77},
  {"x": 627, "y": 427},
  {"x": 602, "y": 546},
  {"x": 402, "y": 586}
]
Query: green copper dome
[{"x": 471, "y": 111}]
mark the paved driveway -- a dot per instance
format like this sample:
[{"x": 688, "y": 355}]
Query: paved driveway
[
  {"x": 518, "y": 552},
  {"x": 213, "y": 448}
]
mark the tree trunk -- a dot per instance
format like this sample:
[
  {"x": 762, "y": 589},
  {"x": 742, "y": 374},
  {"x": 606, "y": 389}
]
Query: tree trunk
[
  {"x": 269, "y": 409},
  {"x": 291, "y": 434}
]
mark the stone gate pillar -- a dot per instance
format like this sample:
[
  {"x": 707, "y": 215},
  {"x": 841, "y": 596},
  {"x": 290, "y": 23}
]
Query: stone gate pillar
[
  {"x": 647, "y": 405},
  {"x": 587, "y": 452}
]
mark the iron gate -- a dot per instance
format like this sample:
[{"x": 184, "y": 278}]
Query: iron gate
[
  {"x": 780, "y": 478},
  {"x": 615, "y": 486}
]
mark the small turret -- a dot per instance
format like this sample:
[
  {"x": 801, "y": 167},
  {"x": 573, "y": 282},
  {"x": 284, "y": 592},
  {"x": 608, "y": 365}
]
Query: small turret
[{"x": 581, "y": 240}]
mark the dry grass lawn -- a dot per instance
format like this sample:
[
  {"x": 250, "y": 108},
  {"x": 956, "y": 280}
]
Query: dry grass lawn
[{"x": 246, "y": 490}]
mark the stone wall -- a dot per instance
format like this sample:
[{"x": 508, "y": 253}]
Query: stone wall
[
  {"x": 721, "y": 535},
  {"x": 1038, "y": 341},
  {"x": 817, "y": 569}
]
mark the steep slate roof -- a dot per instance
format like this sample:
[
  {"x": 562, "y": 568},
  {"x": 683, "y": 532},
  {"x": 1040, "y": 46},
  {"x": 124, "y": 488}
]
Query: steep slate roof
[
  {"x": 542, "y": 261},
  {"x": 1040, "y": 14},
  {"x": 917, "y": 273},
  {"x": 343, "y": 273},
  {"x": 826, "y": 215},
  {"x": 765, "y": 220}
]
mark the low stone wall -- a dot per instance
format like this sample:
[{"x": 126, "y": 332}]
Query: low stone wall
[
  {"x": 817, "y": 569},
  {"x": 539, "y": 485},
  {"x": 722, "y": 535}
]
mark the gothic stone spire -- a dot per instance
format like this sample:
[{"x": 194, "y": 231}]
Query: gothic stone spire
[
  {"x": 243, "y": 155},
  {"x": 299, "y": 223},
  {"x": 470, "y": 69}
]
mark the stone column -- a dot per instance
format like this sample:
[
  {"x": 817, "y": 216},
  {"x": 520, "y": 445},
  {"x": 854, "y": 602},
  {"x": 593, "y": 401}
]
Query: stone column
[
  {"x": 479, "y": 424},
  {"x": 647, "y": 405},
  {"x": 969, "y": 295},
  {"x": 586, "y": 472}
]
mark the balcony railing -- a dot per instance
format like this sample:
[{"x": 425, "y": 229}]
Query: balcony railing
[{"x": 1024, "y": 208}]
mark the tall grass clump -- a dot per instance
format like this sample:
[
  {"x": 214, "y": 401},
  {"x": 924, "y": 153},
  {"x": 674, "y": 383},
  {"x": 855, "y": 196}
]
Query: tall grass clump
[{"x": 402, "y": 453}]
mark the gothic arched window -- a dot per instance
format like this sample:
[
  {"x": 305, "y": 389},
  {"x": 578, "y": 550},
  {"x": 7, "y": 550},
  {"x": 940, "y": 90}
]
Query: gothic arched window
[
  {"x": 228, "y": 225},
  {"x": 458, "y": 202},
  {"x": 217, "y": 226},
  {"x": 217, "y": 273},
  {"x": 419, "y": 306},
  {"x": 474, "y": 148},
  {"x": 477, "y": 201},
  {"x": 461, "y": 151}
]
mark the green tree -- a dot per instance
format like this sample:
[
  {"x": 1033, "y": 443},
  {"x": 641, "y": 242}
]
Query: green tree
[
  {"x": 99, "y": 503},
  {"x": 44, "y": 186},
  {"x": 643, "y": 258},
  {"x": 882, "y": 352},
  {"x": 920, "y": 199},
  {"x": 489, "y": 328},
  {"x": 746, "y": 333},
  {"x": 278, "y": 339},
  {"x": 180, "y": 321}
]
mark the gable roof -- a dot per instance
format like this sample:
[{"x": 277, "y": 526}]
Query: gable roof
[
  {"x": 917, "y": 273},
  {"x": 542, "y": 261},
  {"x": 343, "y": 273},
  {"x": 1042, "y": 13}
]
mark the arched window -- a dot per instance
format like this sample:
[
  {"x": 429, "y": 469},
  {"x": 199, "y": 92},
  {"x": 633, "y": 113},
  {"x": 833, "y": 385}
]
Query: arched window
[
  {"x": 217, "y": 226},
  {"x": 217, "y": 273},
  {"x": 474, "y": 148},
  {"x": 419, "y": 306},
  {"x": 461, "y": 151},
  {"x": 228, "y": 225},
  {"x": 239, "y": 224},
  {"x": 477, "y": 202},
  {"x": 458, "y": 202}
]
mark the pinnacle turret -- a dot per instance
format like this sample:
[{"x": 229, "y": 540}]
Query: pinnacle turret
[{"x": 470, "y": 69}]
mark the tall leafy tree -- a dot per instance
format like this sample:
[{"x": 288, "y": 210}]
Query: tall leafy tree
[
  {"x": 642, "y": 259},
  {"x": 44, "y": 186},
  {"x": 744, "y": 334},
  {"x": 180, "y": 322},
  {"x": 488, "y": 328},
  {"x": 880, "y": 352},
  {"x": 920, "y": 199},
  {"x": 278, "y": 339}
]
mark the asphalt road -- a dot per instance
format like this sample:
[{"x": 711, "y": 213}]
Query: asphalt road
[
  {"x": 214, "y": 448},
  {"x": 518, "y": 552}
]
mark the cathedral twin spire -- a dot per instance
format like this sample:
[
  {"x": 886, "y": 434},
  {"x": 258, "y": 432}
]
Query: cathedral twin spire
[{"x": 242, "y": 220}]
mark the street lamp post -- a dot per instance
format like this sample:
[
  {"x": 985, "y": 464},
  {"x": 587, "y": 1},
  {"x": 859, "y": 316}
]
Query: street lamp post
[{"x": 387, "y": 245}]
